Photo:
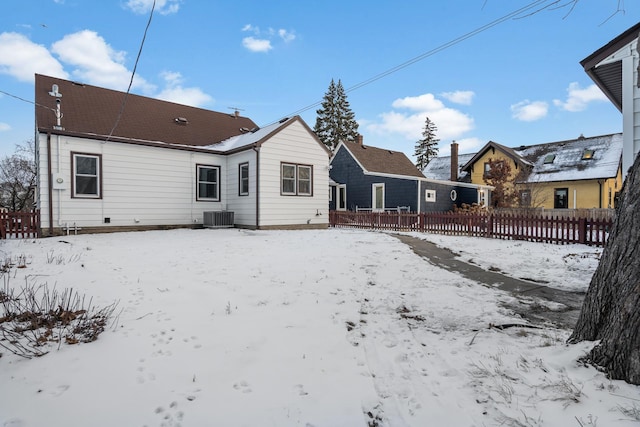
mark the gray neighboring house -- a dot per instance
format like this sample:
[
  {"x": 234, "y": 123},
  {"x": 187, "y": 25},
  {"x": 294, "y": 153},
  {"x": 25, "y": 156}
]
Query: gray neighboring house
[{"x": 377, "y": 179}]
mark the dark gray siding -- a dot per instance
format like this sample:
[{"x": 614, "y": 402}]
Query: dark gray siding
[
  {"x": 333, "y": 198},
  {"x": 443, "y": 201},
  {"x": 398, "y": 192}
]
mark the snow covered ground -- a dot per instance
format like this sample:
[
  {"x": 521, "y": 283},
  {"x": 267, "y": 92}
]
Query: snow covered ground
[{"x": 302, "y": 328}]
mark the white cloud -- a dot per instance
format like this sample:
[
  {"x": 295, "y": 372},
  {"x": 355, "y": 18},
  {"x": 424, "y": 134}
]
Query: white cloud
[
  {"x": 465, "y": 145},
  {"x": 4, "y": 127},
  {"x": 578, "y": 98},
  {"x": 529, "y": 111},
  {"x": 251, "y": 28},
  {"x": 96, "y": 62},
  {"x": 262, "y": 42},
  {"x": 425, "y": 102},
  {"x": 257, "y": 45},
  {"x": 175, "y": 92},
  {"x": 464, "y": 97},
  {"x": 451, "y": 123},
  {"x": 21, "y": 58},
  {"x": 164, "y": 7},
  {"x": 286, "y": 35}
]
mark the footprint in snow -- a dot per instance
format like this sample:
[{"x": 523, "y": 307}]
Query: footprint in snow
[
  {"x": 300, "y": 389},
  {"x": 242, "y": 386}
]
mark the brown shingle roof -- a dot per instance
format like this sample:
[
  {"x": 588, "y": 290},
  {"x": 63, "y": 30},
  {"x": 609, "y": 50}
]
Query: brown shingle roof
[
  {"x": 91, "y": 110},
  {"x": 383, "y": 161}
]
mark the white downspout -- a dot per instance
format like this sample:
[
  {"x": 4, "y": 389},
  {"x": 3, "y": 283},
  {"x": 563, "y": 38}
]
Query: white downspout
[{"x": 58, "y": 191}]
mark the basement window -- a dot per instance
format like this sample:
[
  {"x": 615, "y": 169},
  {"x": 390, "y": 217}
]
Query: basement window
[
  {"x": 587, "y": 154},
  {"x": 549, "y": 158}
]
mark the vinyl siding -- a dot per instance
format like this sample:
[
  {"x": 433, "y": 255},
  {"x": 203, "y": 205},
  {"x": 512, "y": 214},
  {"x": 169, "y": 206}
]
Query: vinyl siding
[
  {"x": 398, "y": 191},
  {"x": 443, "y": 202},
  {"x": 243, "y": 207},
  {"x": 583, "y": 194},
  {"x": 141, "y": 186},
  {"x": 293, "y": 144}
]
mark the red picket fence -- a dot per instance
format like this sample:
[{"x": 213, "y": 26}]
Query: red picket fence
[
  {"x": 533, "y": 228},
  {"x": 20, "y": 224}
]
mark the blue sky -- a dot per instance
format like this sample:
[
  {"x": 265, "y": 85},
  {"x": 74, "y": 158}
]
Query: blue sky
[{"x": 518, "y": 82}]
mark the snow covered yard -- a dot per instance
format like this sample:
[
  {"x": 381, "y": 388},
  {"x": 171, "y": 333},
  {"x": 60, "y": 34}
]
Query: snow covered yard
[{"x": 302, "y": 328}]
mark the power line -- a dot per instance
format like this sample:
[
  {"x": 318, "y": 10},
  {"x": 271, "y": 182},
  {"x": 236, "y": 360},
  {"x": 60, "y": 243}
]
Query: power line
[
  {"x": 26, "y": 100},
  {"x": 438, "y": 49},
  {"x": 133, "y": 73}
]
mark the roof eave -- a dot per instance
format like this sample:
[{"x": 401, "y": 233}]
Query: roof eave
[
  {"x": 613, "y": 46},
  {"x": 604, "y": 88}
]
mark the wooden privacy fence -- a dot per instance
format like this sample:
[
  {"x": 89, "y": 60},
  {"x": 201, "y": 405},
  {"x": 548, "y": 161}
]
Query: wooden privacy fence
[
  {"x": 20, "y": 224},
  {"x": 533, "y": 228}
]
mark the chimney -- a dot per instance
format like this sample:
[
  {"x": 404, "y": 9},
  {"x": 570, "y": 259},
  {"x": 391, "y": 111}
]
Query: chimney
[
  {"x": 454, "y": 161},
  {"x": 359, "y": 139}
]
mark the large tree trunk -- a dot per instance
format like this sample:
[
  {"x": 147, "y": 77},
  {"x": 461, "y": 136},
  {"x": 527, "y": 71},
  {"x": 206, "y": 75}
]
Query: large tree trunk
[{"x": 611, "y": 309}]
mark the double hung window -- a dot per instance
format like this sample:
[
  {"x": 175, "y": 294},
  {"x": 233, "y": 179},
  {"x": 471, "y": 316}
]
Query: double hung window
[
  {"x": 296, "y": 180},
  {"x": 87, "y": 179},
  {"x": 208, "y": 183}
]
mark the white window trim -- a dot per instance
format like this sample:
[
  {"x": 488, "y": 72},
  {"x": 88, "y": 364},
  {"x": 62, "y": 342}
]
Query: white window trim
[
  {"x": 98, "y": 176},
  {"x": 430, "y": 196},
  {"x": 341, "y": 187},
  {"x": 198, "y": 182},
  {"x": 373, "y": 197},
  {"x": 242, "y": 166}
]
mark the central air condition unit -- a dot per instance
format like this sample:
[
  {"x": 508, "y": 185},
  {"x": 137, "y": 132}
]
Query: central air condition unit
[{"x": 218, "y": 219}]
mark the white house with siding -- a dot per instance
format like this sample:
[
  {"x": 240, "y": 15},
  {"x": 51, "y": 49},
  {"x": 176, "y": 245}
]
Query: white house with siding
[
  {"x": 614, "y": 68},
  {"x": 108, "y": 161}
]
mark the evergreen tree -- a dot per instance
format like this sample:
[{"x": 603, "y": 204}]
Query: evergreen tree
[
  {"x": 335, "y": 121},
  {"x": 427, "y": 147}
]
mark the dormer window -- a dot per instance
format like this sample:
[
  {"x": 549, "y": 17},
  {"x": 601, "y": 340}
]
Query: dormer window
[
  {"x": 587, "y": 154},
  {"x": 549, "y": 158}
]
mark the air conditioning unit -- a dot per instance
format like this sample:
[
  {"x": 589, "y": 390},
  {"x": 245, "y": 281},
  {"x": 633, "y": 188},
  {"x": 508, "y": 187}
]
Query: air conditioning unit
[{"x": 218, "y": 219}]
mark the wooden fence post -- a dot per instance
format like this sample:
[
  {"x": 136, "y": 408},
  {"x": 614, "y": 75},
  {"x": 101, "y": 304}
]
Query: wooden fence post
[{"x": 582, "y": 231}]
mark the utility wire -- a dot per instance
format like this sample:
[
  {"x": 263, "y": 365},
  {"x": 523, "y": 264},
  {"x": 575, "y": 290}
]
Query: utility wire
[
  {"x": 515, "y": 13},
  {"x": 133, "y": 73},
  {"x": 28, "y": 101}
]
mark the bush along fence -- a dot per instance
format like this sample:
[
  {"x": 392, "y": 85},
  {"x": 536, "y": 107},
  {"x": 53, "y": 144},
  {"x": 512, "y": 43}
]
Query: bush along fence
[
  {"x": 20, "y": 224},
  {"x": 533, "y": 228}
]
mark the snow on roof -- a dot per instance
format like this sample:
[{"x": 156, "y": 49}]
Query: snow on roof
[
  {"x": 246, "y": 139},
  {"x": 439, "y": 168},
  {"x": 566, "y": 160}
]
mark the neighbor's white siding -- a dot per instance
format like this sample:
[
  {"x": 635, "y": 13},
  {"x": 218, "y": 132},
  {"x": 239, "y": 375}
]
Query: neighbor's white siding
[
  {"x": 243, "y": 207},
  {"x": 141, "y": 185},
  {"x": 630, "y": 103},
  {"x": 636, "y": 102},
  {"x": 293, "y": 144}
]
